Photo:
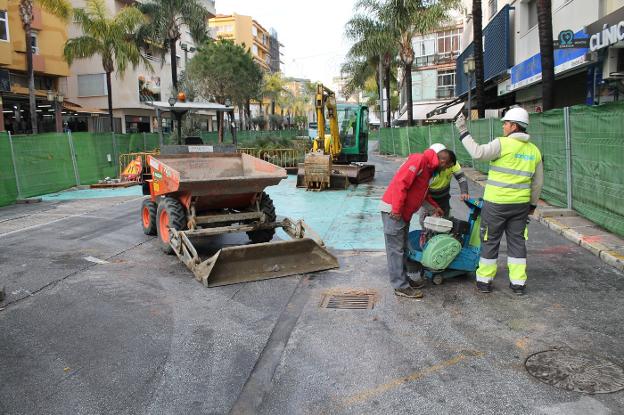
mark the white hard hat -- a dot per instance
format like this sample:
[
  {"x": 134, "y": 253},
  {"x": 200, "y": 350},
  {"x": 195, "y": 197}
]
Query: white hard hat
[
  {"x": 437, "y": 147},
  {"x": 517, "y": 115}
]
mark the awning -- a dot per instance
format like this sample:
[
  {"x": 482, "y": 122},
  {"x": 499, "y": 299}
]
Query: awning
[
  {"x": 186, "y": 106},
  {"x": 77, "y": 108},
  {"x": 421, "y": 111}
]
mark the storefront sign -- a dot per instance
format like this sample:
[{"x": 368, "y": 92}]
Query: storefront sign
[
  {"x": 567, "y": 40},
  {"x": 606, "y": 31},
  {"x": 530, "y": 71}
]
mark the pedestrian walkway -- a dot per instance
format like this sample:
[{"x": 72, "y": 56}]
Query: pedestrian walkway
[{"x": 605, "y": 245}]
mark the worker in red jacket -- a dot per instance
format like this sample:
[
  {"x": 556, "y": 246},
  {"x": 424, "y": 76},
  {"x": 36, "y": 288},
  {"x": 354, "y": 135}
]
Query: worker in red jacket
[{"x": 405, "y": 194}]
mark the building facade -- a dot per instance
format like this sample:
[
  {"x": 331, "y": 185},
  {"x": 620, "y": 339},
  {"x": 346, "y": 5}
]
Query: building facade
[
  {"x": 49, "y": 37},
  {"x": 589, "y": 66},
  {"x": 131, "y": 90},
  {"x": 433, "y": 71},
  {"x": 244, "y": 30}
]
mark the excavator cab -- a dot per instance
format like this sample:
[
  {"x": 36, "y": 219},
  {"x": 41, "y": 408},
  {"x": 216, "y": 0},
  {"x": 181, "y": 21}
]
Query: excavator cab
[{"x": 353, "y": 127}]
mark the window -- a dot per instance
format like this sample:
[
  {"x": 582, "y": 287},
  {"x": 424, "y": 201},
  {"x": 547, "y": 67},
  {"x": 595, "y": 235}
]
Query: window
[
  {"x": 449, "y": 41},
  {"x": 424, "y": 46},
  {"x": 254, "y": 50},
  {"x": 34, "y": 42},
  {"x": 493, "y": 8},
  {"x": 532, "y": 13},
  {"x": 254, "y": 31},
  {"x": 4, "y": 25},
  {"x": 446, "y": 84},
  {"x": 93, "y": 85}
]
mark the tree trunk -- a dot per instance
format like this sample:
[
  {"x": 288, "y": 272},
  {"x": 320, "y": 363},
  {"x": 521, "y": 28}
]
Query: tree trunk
[
  {"x": 408, "y": 86},
  {"x": 174, "y": 64},
  {"x": 248, "y": 113},
  {"x": 388, "y": 104},
  {"x": 477, "y": 22},
  {"x": 544, "y": 20},
  {"x": 220, "y": 126},
  {"x": 31, "y": 80},
  {"x": 109, "y": 91},
  {"x": 380, "y": 71}
]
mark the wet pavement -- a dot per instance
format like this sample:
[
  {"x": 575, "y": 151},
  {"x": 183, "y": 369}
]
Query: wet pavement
[{"x": 98, "y": 320}]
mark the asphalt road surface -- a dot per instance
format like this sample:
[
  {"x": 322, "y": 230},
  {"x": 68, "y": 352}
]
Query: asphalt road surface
[{"x": 98, "y": 320}]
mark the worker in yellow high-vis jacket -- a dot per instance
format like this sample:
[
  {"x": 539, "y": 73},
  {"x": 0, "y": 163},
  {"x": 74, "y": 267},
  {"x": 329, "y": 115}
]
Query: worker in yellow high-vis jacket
[{"x": 512, "y": 191}]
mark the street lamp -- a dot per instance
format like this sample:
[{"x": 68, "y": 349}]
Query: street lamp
[
  {"x": 469, "y": 70},
  {"x": 186, "y": 48}
]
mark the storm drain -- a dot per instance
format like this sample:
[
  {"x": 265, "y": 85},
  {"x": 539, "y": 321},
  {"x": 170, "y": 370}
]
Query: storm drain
[
  {"x": 355, "y": 300},
  {"x": 574, "y": 371}
]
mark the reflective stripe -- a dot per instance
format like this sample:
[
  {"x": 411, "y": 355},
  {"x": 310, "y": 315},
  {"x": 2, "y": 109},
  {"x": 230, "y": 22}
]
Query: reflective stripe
[
  {"x": 526, "y": 233},
  {"x": 488, "y": 261},
  {"x": 509, "y": 185},
  {"x": 484, "y": 279},
  {"x": 518, "y": 261},
  {"x": 518, "y": 282},
  {"x": 511, "y": 171}
]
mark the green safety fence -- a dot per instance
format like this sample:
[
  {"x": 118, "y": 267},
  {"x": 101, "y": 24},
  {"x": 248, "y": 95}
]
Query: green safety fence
[
  {"x": 50, "y": 162},
  {"x": 595, "y": 147}
]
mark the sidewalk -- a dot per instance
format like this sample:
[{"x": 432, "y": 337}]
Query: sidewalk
[{"x": 607, "y": 246}]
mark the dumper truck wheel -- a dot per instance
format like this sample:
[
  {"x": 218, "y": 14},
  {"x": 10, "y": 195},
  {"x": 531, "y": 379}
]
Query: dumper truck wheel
[
  {"x": 170, "y": 214},
  {"x": 148, "y": 217},
  {"x": 264, "y": 235}
]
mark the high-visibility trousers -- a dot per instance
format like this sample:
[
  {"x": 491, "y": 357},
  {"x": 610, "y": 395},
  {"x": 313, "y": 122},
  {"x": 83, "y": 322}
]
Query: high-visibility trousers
[{"x": 510, "y": 219}]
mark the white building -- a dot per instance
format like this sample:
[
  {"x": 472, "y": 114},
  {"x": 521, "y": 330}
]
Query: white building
[
  {"x": 513, "y": 66},
  {"x": 86, "y": 85}
]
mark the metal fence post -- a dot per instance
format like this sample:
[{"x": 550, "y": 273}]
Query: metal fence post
[
  {"x": 568, "y": 148},
  {"x": 453, "y": 138},
  {"x": 491, "y": 129},
  {"x": 115, "y": 161},
  {"x": 429, "y": 135},
  {"x": 409, "y": 147},
  {"x": 144, "y": 141},
  {"x": 72, "y": 152},
  {"x": 17, "y": 181},
  {"x": 392, "y": 137}
]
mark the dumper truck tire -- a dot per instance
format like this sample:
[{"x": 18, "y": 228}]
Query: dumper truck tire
[
  {"x": 148, "y": 217},
  {"x": 264, "y": 235},
  {"x": 170, "y": 214}
]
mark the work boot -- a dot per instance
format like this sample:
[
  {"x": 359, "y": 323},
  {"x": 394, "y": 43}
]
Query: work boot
[
  {"x": 517, "y": 289},
  {"x": 484, "y": 287},
  {"x": 417, "y": 283},
  {"x": 408, "y": 292}
]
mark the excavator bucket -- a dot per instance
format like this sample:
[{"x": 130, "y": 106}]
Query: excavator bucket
[
  {"x": 317, "y": 174},
  {"x": 254, "y": 262}
]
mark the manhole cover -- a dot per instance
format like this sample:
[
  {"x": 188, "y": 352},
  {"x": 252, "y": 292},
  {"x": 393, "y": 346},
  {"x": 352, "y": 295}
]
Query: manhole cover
[
  {"x": 574, "y": 371},
  {"x": 349, "y": 300}
]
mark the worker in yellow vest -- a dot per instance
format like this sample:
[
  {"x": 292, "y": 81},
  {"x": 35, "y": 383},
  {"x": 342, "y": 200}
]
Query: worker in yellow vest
[
  {"x": 440, "y": 184},
  {"x": 512, "y": 191}
]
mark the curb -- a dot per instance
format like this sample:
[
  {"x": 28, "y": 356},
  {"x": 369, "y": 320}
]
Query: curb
[{"x": 605, "y": 253}]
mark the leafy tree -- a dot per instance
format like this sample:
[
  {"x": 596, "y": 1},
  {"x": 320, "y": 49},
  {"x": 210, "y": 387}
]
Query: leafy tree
[
  {"x": 222, "y": 71},
  {"x": 274, "y": 88},
  {"x": 59, "y": 8},
  {"x": 109, "y": 37},
  {"x": 165, "y": 21},
  {"x": 544, "y": 23}
]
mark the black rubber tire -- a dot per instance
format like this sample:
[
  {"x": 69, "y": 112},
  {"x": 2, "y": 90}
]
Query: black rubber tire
[
  {"x": 149, "y": 228},
  {"x": 264, "y": 235},
  {"x": 177, "y": 220}
]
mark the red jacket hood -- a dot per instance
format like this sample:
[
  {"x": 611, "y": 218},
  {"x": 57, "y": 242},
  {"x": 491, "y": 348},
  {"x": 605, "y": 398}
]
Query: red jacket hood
[{"x": 432, "y": 159}]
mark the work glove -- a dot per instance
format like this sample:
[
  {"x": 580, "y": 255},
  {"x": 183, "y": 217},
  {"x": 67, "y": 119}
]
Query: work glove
[{"x": 460, "y": 123}]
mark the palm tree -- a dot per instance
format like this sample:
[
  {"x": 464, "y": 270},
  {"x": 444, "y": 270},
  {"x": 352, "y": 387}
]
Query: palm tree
[
  {"x": 477, "y": 34},
  {"x": 274, "y": 88},
  {"x": 110, "y": 37},
  {"x": 544, "y": 21},
  {"x": 374, "y": 47},
  {"x": 59, "y": 8},
  {"x": 166, "y": 18}
]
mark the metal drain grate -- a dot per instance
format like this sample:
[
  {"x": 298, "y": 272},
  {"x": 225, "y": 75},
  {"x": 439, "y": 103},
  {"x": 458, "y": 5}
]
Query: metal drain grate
[
  {"x": 574, "y": 371},
  {"x": 349, "y": 300}
]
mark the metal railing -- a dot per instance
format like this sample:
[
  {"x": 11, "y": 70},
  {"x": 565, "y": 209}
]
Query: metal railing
[{"x": 283, "y": 157}]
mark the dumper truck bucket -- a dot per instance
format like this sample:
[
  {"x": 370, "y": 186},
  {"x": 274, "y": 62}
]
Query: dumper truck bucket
[{"x": 256, "y": 262}]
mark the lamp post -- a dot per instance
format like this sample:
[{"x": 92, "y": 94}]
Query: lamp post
[
  {"x": 56, "y": 99},
  {"x": 469, "y": 70},
  {"x": 186, "y": 48}
]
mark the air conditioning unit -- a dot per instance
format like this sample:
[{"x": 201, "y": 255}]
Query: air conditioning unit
[{"x": 613, "y": 65}]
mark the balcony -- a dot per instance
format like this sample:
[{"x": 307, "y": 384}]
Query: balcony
[{"x": 436, "y": 59}]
